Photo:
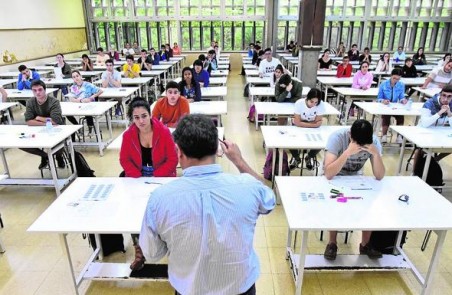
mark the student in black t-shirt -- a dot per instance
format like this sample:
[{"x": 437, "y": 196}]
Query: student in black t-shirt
[
  {"x": 325, "y": 62},
  {"x": 409, "y": 71}
]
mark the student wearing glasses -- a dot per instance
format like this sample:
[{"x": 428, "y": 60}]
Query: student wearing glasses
[
  {"x": 391, "y": 91},
  {"x": 268, "y": 65}
]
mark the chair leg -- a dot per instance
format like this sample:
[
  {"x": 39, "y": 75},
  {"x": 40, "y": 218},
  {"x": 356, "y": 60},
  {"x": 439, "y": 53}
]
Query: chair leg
[
  {"x": 321, "y": 235},
  {"x": 410, "y": 158},
  {"x": 426, "y": 239},
  {"x": 346, "y": 237}
]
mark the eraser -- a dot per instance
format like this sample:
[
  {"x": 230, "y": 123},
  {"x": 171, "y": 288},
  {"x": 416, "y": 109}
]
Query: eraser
[{"x": 342, "y": 200}]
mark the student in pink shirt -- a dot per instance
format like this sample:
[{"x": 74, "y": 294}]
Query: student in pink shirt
[{"x": 363, "y": 78}]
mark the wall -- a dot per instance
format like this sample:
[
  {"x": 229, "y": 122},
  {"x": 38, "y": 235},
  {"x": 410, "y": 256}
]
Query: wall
[{"x": 31, "y": 29}]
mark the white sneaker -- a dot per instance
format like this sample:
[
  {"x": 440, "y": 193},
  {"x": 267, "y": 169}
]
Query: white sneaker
[
  {"x": 399, "y": 139},
  {"x": 384, "y": 139}
]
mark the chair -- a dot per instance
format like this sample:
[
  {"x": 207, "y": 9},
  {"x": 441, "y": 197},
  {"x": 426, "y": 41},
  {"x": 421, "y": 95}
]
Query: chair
[{"x": 66, "y": 159}]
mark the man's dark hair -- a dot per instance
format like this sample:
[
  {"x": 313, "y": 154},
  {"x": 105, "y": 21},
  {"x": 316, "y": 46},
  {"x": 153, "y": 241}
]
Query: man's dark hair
[
  {"x": 22, "y": 68},
  {"x": 285, "y": 79},
  {"x": 197, "y": 63},
  {"x": 196, "y": 136},
  {"x": 144, "y": 50},
  {"x": 109, "y": 61},
  {"x": 345, "y": 57},
  {"x": 354, "y": 45},
  {"x": 201, "y": 57},
  {"x": 447, "y": 88},
  {"x": 367, "y": 48},
  {"x": 211, "y": 51},
  {"x": 152, "y": 48},
  {"x": 100, "y": 49},
  {"x": 315, "y": 93},
  {"x": 257, "y": 47},
  {"x": 397, "y": 71},
  {"x": 408, "y": 59},
  {"x": 267, "y": 49},
  {"x": 38, "y": 83},
  {"x": 130, "y": 56},
  {"x": 137, "y": 102},
  {"x": 361, "y": 65},
  {"x": 172, "y": 84},
  {"x": 362, "y": 132}
]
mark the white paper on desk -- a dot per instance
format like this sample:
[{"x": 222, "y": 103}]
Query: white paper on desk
[
  {"x": 58, "y": 73},
  {"x": 352, "y": 182}
]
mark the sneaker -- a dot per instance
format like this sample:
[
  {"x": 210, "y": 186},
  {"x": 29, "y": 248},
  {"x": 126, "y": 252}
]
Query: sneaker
[
  {"x": 399, "y": 139},
  {"x": 309, "y": 162},
  {"x": 60, "y": 162},
  {"x": 330, "y": 251},
  {"x": 369, "y": 251},
  {"x": 44, "y": 163},
  {"x": 384, "y": 139},
  {"x": 294, "y": 163}
]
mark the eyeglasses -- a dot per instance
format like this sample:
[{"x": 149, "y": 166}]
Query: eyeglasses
[{"x": 404, "y": 198}]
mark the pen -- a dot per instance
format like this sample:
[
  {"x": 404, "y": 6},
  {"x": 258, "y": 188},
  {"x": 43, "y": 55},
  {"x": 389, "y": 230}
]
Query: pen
[{"x": 223, "y": 142}]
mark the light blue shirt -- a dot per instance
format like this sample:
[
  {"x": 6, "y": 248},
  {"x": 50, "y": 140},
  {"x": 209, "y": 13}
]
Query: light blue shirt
[
  {"x": 393, "y": 94},
  {"x": 86, "y": 90},
  {"x": 205, "y": 221}
]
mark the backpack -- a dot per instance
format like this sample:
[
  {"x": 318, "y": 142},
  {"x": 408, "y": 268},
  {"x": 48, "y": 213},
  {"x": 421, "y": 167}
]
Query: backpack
[
  {"x": 269, "y": 162},
  {"x": 251, "y": 114},
  {"x": 434, "y": 173},
  {"x": 111, "y": 243},
  {"x": 384, "y": 241},
  {"x": 83, "y": 169}
]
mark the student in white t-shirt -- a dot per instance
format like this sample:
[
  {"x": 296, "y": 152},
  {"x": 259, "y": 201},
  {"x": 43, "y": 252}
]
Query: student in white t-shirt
[
  {"x": 268, "y": 64},
  {"x": 308, "y": 114}
]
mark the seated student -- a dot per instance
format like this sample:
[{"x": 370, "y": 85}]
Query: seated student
[
  {"x": 154, "y": 56},
  {"x": 83, "y": 92},
  {"x": 419, "y": 57},
  {"x": 384, "y": 63},
  {"x": 444, "y": 60},
  {"x": 200, "y": 75},
  {"x": 399, "y": 55},
  {"x": 353, "y": 53},
  {"x": 87, "y": 64},
  {"x": 363, "y": 78},
  {"x": 177, "y": 50},
  {"x": 340, "y": 51},
  {"x": 111, "y": 77},
  {"x": 325, "y": 62},
  {"x": 38, "y": 110},
  {"x": 147, "y": 150},
  {"x": 171, "y": 108},
  {"x": 290, "y": 46},
  {"x": 308, "y": 114},
  {"x": 164, "y": 55},
  {"x": 439, "y": 77},
  {"x": 3, "y": 98},
  {"x": 344, "y": 70},
  {"x": 279, "y": 71},
  {"x": 250, "y": 50},
  {"x": 189, "y": 87},
  {"x": 127, "y": 50},
  {"x": 113, "y": 54},
  {"x": 365, "y": 56},
  {"x": 101, "y": 57},
  {"x": 347, "y": 150},
  {"x": 391, "y": 91},
  {"x": 267, "y": 66},
  {"x": 409, "y": 71},
  {"x": 296, "y": 50},
  {"x": 130, "y": 69},
  {"x": 144, "y": 61},
  {"x": 288, "y": 89},
  {"x": 211, "y": 58},
  {"x": 205, "y": 63},
  {"x": 136, "y": 48},
  {"x": 257, "y": 48},
  {"x": 25, "y": 77},
  {"x": 169, "y": 50},
  {"x": 260, "y": 57},
  {"x": 65, "y": 68}
]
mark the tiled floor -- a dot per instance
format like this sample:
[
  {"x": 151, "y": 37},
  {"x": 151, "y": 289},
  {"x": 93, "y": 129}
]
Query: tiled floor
[{"x": 34, "y": 263}]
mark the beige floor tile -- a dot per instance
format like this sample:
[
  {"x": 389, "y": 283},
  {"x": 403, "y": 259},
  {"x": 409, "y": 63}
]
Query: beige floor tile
[
  {"x": 264, "y": 285},
  {"x": 382, "y": 283},
  {"x": 264, "y": 260},
  {"x": 276, "y": 236},
  {"x": 284, "y": 284},
  {"x": 23, "y": 282},
  {"x": 350, "y": 283},
  {"x": 278, "y": 261}
]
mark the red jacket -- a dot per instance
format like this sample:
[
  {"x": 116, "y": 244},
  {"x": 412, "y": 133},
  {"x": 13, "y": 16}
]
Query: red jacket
[
  {"x": 164, "y": 157},
  {"x": 344, "y": 72}
]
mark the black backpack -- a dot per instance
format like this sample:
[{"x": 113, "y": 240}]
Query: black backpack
[
  {"x": 434, "y": 173},
  {"x": 83, "y": 169}
]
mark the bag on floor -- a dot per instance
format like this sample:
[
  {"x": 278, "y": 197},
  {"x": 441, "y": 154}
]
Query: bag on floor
[
  {"x": 111, "y": 243},
  {"x": 83, "y": 169},
  {"x": 434, "y": 173},
  {"x": 384, "y": 241},
  {"x": 246, "y": 91},
  {"x": 252, "y": 113},
  {"x": 269, "y": 163}
]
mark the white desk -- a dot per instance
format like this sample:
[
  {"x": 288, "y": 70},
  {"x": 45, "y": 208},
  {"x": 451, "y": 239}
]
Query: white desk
[
  {"x": 15, "y": 95},
  {"x": 411, "y": 81},
  {"x": 164, "y": 68},
  {"x": 252, "y": 72},
  {"x": 121, "y": 211},
  {"x": 156, "y": 75},
  {"x": 256, "y": 80},
  {"x": 249, "y": 66},
  {"x": 270, "y": 92},
  {"x": 211, "y": 92},
  {"x": 11, "y": 137},
  {"x": 6, "y": 82},
  {"x": 219, "y": 73},
  {"x": 58, "y": 81},
  {"x": 327, "y": 73},
  {"x": 362, "y": 214},
  {"x": 427, "y": 92},
  {"x": 377, "y": 109},
  {"x": 293, "y": 137},
  {"x": 286, "y": 109},
  {"x": 328, "y": 82},
  {"x": 93, "y": 75},
  {"x": 5, "y": 107},
  {"x": 351, "y": 94},
  {"x": 433, "y": 139},
  {"x": 7, "y": 75},
  {"x": 140, "y": 82},
  {"x": 96, "y": 110},
  {"x": 212, "y": 81}
]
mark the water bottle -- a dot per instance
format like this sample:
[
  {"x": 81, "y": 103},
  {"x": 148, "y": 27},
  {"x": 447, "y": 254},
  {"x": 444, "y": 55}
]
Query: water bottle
[
  {"x": 49, "y": 126},
  {"x": 409, "y": 104}
]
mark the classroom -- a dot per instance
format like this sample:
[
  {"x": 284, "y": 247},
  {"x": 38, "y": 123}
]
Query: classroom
[{"x": 132, "y": 133}]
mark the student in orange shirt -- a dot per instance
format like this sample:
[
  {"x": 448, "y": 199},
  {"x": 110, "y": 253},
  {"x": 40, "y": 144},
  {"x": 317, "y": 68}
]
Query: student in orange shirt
[{"x": 171, "y": 108}]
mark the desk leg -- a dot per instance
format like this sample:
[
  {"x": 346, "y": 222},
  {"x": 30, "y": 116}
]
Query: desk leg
[
  {"x": 427, "y": 164},
  {"x": 8, "y": 114},
  {"x": 256, "y": 117},
  {"x": 146, "y": 89},
  {"x": 427, "y": 287},
  {"x": 110, "y": 129},
  {"x": 5, "y": 164},
  {"x": 326, "y": 92},
  {"x": 402, "y": 152},
  {"x": 53, "y": 168},
  {"x": 301, "y": 261},
  {"x": 281, "y": 152},
  {"x": 64, "y": 245},
  {"x": 99, "y": 140},
  {"x": 273, "y": 166}
]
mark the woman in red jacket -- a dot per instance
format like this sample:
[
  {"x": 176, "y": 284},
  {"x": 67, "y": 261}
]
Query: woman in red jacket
[{"x": 147, "y": 150}]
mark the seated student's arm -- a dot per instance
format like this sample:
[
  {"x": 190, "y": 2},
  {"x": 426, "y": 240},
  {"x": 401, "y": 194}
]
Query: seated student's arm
[
  {"x": 130, "y": 169},
  {"x": 197, "y": 91},
  {"x": 206, "y": 79},
  {"x": 355, "y": 83},
  {"x": 21, "y": 84},
  {"x": 378, "y": 168},
  {"x": 3, "y": 94},
  {"x": 334, "y": 163},
  {"x": 318, "y": 65},
  {"x": 150, "y": 242},
  {"x": 280, "y": 95},
  {"x": 312, "y": 124},
  {"x": 156, "y": 112},
  {"x": 168, "y": 168},
  {"x": 96, "y": 94},
  {"x": 427, "y": 81},
  {"x": 381, "y": 97},
  {"x": 136, "y": 70},
  {"x": 184, "y": 107},
  {"x": 339, "y": 71},
  {"x": 427, "y": 119}
]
